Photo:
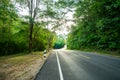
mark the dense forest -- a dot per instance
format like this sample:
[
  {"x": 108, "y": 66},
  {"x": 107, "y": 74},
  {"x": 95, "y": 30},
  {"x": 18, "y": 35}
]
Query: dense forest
[
  {"x": 15, "y": 31},
  {"x": 97, "y": 25},
  {"x": 30, "y": 25}
]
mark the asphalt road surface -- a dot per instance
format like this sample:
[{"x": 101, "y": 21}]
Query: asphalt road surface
[{"x": 78, "y": 65}]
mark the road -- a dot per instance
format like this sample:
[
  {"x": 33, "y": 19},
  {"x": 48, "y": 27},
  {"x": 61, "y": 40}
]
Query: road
[{"x": 78, "y": 65}]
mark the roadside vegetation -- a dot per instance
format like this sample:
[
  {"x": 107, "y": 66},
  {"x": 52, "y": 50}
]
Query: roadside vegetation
[
  {"x": 59, "y": 42},
  {"x": 23, "y": 37},
  {"x": 15, "y": 30},
  {"x": 97, "y": 26}
]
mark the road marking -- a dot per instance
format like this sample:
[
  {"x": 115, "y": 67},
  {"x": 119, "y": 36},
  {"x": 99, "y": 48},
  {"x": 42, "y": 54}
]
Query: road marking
[
  {"x": 59, "y": 67},
  {"x": 84, "y": 56}
]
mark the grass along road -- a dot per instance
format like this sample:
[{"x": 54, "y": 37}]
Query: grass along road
[{"x": 20, "y": 67}]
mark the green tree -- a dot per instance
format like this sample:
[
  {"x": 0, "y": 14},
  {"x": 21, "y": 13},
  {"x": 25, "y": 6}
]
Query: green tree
[
  {"x": 97, "y": 25},
  {"x": 7, "y": 17},
  {"x": 59, "y": 42},
  {"x": 33, "y": 10}
]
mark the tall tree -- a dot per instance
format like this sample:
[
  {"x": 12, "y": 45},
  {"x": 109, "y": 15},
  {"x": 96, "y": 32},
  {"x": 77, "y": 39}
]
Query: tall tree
[{"x": 33, "y": 10}]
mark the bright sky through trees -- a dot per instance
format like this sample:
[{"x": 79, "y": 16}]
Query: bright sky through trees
[{"x": 63, "y": 29}]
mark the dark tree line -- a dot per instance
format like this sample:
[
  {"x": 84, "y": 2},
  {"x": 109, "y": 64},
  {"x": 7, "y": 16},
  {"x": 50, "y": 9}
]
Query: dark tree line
[{"x": 59, "y": 42}]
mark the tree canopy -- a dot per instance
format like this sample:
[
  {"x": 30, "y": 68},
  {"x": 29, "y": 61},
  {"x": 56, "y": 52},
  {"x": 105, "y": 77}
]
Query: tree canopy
[
  {"x": 15, "y": 33},
  {"x": 97, "y": 25}
]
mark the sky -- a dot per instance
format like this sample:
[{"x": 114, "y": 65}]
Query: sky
[{"x": 63, "y": 29}]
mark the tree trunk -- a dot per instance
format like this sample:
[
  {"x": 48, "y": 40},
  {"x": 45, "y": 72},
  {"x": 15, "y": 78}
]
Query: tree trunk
[
  {"x": 49, "y": 42},
  {"x": 30, "y": 37}
]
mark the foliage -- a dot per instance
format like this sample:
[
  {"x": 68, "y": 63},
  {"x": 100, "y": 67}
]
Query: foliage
[
  {"x": 97, "y": 25},
  {"x": 59, "y": 43},
  {"x": 40, "y": 41},
  {"x": 14, "y": 32},
  {"x": 7, "y": 17}
]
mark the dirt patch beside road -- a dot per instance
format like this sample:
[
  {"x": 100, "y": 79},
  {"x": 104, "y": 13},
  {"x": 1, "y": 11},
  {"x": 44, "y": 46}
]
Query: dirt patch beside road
[{"x": 20, "y": 67}]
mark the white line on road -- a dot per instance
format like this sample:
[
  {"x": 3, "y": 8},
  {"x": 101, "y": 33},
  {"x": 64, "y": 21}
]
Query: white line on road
[{"x": 59, "y": 67}]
